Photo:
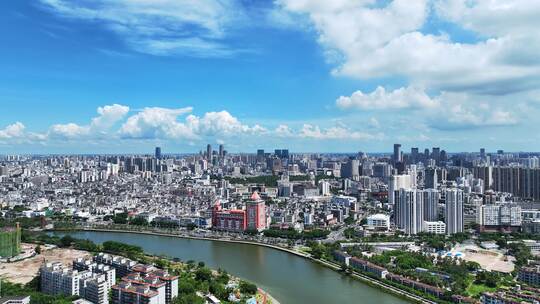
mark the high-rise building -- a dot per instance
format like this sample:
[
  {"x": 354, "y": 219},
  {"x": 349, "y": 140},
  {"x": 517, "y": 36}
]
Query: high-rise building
[
  {"x": 436, "y": 154},
  {"x": 158, "y": 153},
  {"x": 431, "y": 205},
  {"x": 351, "y": 169},
  {"x": 397, "y": 182},
  {"x": 453, "y": 211},
  {"x": 221, "y": 152},
  {"x": 500, "y": 216},
  {"x": 414, "y": 156},
  {"x": 324, "y": 188},
  {"x": 430, "y": 178},
  {"x": 397, "y": 153},
  {"x": 55, "y": 279},
  {"x": 209, "y": 152},
  {"x": 409, "y": 210}
]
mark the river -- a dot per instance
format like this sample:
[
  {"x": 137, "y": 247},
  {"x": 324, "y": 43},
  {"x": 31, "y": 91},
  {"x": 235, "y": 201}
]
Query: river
[{"x": 287, "y": 277}]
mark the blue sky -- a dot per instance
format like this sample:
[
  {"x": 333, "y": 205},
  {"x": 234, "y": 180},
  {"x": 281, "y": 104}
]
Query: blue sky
[{"x": 103, "y": 76}]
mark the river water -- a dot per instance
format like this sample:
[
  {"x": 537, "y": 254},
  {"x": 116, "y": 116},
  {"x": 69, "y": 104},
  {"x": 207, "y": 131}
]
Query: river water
[{"x": 287, "y": 277}]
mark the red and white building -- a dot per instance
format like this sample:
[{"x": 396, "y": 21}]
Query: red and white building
[
  {"x": 229, "y": 220},
  {"x": 252, "y": 218},
  {"x": 256, "y": 213}
]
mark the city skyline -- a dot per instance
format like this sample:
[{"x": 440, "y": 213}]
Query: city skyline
[{"x": 123, "y": 76}]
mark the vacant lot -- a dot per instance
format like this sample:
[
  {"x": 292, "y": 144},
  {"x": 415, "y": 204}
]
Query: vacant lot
[
  {"x": 24, "y": 271},
  {"x": 488, "y": 259}
]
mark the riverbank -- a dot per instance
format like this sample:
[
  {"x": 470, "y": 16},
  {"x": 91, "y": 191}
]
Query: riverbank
[{"x": 358, "y": 276}]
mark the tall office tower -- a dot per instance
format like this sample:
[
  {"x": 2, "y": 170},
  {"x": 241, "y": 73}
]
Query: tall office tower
[
  {"x": 285, "y": 153},
  {"x": 442, "y": 156},
  {"x": 351, "y": 169},
  {"x": 426, "y": 153},
  {"x": 157, "y": 154},
  {"x": 453, "y": 211},
  {"x": 430, "y": 178},
  {"x": 209, "y": 152},
  {"x": 431, "y": 205},
  {"x": 256, "y": 213},
  {"x": 397, "y": 182},
  {"x": 414, "y": 156},
  {"x": 409, "y": 210},
  {"x": 436, "y": 154},
  {"x": 260, "y": 155},
  {"x": 482, "y": 153},
  {"x": 277, "y": 153},
  {"x": 221, "y": 152},
  {"x": 397, "y": 153}
]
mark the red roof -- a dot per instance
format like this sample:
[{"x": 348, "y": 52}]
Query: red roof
[{"x": 255, "y": 196}]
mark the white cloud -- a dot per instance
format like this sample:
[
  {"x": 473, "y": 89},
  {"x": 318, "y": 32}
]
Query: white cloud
[
  {"x": 107, "y": 117},
  {"x": 315, "y": 132},
  {"x": 388, "y": 41},
  {"x": 445, "y": 111},
  {"x": 465, "y": 111},
  {"x": 69, "y": 130},
  {"x": 162, "y": 27},
  {"x": 15, "y": 130},
  {"x": 283, "y": 131},
  {"x": 157, "y": 123},
  {"x": 407, "y": 97},
  {"x": 167, "y": 123}
]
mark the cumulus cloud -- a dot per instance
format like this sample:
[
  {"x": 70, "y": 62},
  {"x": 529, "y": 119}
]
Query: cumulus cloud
[
  {"x": 407, "y": 97},
  {"x": 454, "y": 115},
  {"x": 315, "y": 132},
  {"x": 157, "y": 123},
  {"x": 107, "y": 117},
  {"x": 15, "y": 130},
  {"x": 445, "y": 111},
  {"x": 168, "y": 123},
  {"x": 388, "y": 41}
]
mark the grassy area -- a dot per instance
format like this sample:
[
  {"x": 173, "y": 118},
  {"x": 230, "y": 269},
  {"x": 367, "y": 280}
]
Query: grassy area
[{"x": 475, "y": 290}]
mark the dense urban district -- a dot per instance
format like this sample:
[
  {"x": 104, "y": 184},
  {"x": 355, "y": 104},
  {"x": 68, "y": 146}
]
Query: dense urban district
[{"x": 430, "y": 226}]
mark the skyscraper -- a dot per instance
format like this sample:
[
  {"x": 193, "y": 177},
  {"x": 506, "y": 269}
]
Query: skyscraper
[
  {"x": 430, "y": 178},
  {"x": 221, "y": 152},
  {"x": 436, "y": 154},
  {"x": 397, "y": 153},
  {"x": 409, "y": 210},
  {"x": 351, "y": 169},
  {"x": 414, "y": 155},
  {"x": 209, "y": 152},
  {"x": 158, "y": 153},
  {"x": 395, "y": 183},
  {"x": 453, "y": 210},
  {"x": 431, "y": 205}
]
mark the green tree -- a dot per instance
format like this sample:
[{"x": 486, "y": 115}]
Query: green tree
[{"x": 248, "y": 288}]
